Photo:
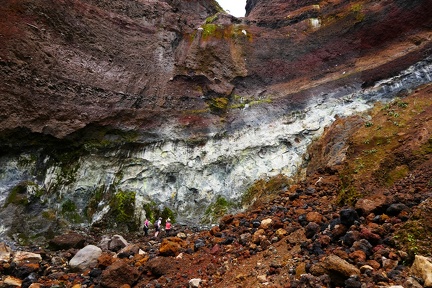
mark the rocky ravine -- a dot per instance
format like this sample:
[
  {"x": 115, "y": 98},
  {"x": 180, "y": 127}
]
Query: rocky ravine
[
  {"x": 372, "y": 230},
  {"x": 175, "y": 105}
]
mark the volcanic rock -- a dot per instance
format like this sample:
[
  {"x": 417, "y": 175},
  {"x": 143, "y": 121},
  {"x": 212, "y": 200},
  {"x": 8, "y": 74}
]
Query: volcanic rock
[
  {"x": 118, "y": 274},
  {"x": 338, "y": 269},
  {"x": 172, "y": 246},
  {"x": 67, "y": 241}
]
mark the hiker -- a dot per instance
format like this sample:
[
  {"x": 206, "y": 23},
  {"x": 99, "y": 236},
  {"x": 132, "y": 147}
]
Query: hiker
[
  {"x": 146, "y": 227},
  {"x": 168, "y": 227},
  {"x": 157, "y": 226}
]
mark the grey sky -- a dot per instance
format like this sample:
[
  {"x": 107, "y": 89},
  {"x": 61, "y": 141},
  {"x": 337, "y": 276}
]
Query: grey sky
[{"x": 234, "y": 7}]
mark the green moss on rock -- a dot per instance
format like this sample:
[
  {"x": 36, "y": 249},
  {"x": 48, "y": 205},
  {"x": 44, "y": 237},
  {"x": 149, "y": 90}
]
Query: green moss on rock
[
  {"x": 348, "y": 194},
  {"x": 18, "y": 195},
  {"x": 153, "y": 212},
  {"x": 218, "y": 104},
  {"x": 68, "y": 206},
  {"x": 123, "y": 206},
  {"x": 217, "y": 209},
  {"x": 96, "y": 198},
  {"x": 264, "y": 189}
]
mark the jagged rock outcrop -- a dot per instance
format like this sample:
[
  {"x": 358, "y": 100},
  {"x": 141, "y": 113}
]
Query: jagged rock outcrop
[
  {"x": 109, "y": 109},
  {"x": 309, "y": 234},
  {"x": 141, "y": 65}
]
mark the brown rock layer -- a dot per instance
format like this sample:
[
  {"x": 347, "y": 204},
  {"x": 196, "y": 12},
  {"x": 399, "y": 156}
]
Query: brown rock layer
[{"x": 138, "y": 65}]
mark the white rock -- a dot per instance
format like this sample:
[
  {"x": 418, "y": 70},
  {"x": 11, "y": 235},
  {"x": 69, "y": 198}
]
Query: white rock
[
  {"x": 85, "y": 258},
  {"x": 104, "y": 243},
  {"x": 422, "y": 268},
  {"x": 266, "y": 223},
  {"x": 194, "y": 283},
  {"x": 365, "y": 268},
  {"x": 5, "y": 252},
  {"x": 12, "y": 281},
  {"x": 26, "y": 257},
  {"x": 262, "y": 278}
]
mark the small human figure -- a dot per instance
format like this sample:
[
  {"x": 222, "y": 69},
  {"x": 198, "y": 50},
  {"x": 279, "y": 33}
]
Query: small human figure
[
  {"x": 146, "y": 227},
  {"x": 157, "y": 226},
  {"x": 168, "y": 226}
]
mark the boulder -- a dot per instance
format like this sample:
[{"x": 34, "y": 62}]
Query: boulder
[
  {"x": 129, "y": 250},
  {"x": 258, "y": 236},
  {"x": 105, "y": 260},
  {"x": 338, "y": 269},
  {"x": 67, "y": 241},
  {"x": 158, "y": 266},
  {"x": 370, "y": 236},
  {"x": 397, "y": 208},
  {"x": 26, "y": 257},
  {"x": 422, "y": 268},
  {"x": 358, "y": 256},
  {"x": 104, "y": 243},
  {"x": 348, "y": 217},
  {"x": 117, "y": 242},
  {"x": 280, "y": 233},
  {"x": 412, "y": 283},
  {"x": 265, "y": 224},
  {"x": 5, "y": 252},
  {"x": 372, "y": 203},
  {"x": 10, "y": 281},
  {"x": 389, "y": 264},
  {"x": 86, "y": 258},
  {"x": 245, "y": 238},
  {"x": 172, "y": 246},
  {"x": 195, "y": 283},
  {"x": 312, "y": 229},
  {"x": 314, "y": 217},
  {"x": 118, "y": 274}
]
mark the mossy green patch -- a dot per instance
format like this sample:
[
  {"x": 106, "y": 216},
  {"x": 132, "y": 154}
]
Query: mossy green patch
[
  {"x": 212, "y": 30},
  {"x": 68, "y": 206},
  {"x": 226, "y": 32},
  {"x": 123, "y": 206},
  {"x": 397, "y": 173},
  {"x": 49, "y": 214},
  {"x": 168, "y": 214},
  {"x": 217, "y": 209},
  {"x": 348, "y": 194},
  {"x": 413, "y": 238},
  {"x": 69, "y": 211},
  {"x": 211, "y": 19},
  {"x": 218, "y": 104},
  {"x": 18, "y": 195},
  {"x": 153, "y": 212},
  {"x": 265, "y": 188}
]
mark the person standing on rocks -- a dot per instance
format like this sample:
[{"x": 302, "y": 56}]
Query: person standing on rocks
[
  {"x": 146, "y": 227},
  {"x": 157, "y": 226},
  {"x": 168, "y": 227}
]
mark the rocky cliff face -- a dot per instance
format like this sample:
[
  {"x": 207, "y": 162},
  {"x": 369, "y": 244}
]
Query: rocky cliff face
[{"x": 107, "y": 108}]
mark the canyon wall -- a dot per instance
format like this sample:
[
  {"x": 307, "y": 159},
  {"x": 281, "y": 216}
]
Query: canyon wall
[{"x": 176, "y": 104}]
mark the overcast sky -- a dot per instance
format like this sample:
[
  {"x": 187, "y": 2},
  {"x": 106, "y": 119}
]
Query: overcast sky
[{"x": 234, "y": 7}]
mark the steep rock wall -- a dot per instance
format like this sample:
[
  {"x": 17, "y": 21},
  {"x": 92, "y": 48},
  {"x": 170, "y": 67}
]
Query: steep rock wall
[{"x": 180, "y": 103}]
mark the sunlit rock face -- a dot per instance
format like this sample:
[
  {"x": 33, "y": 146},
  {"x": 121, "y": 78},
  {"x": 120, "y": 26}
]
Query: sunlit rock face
[{"x": 180, "y": 103}]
